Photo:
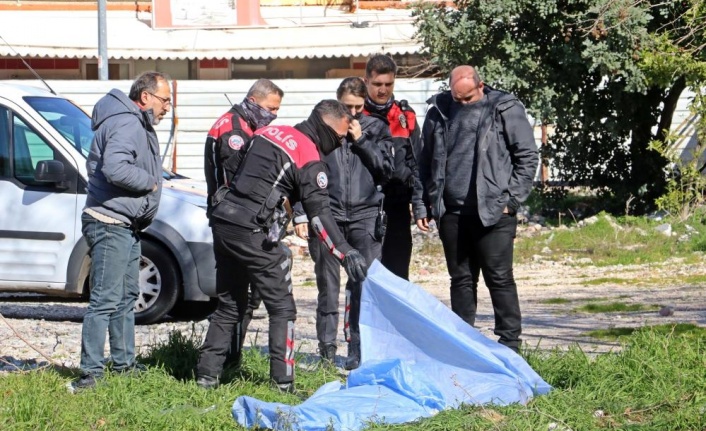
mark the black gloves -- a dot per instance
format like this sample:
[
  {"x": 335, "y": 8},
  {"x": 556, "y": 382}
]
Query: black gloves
[{"x": 355, "y": 266}]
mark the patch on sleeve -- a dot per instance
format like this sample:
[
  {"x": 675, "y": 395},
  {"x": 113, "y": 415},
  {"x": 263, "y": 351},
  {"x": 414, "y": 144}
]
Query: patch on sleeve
[
  {"x": 236, "y": 142},
  {"x": 322, "y": 180}
]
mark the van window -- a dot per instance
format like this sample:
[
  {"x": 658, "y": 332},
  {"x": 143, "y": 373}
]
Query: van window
[
  {"x": 4, "y": 143},
  {"x": 67, "y": 118},
  {"x": 28, "y": 149}
]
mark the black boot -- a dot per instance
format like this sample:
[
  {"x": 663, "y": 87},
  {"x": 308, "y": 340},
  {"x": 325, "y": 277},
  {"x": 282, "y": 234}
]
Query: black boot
[
  {"x": 327, "y": 352},
  {"x": 353, "y": 360}
]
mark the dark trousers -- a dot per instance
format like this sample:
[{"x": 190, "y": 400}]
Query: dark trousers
[
  {"x": 267, "y": 270},
  {"x": 359, "y": 234},
  {"x": 229, "y": 277},
  {"x": 397, "y": 245},
  {"x": 470, "y": 249}
]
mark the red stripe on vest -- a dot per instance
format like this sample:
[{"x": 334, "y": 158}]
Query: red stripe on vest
[
  {"x": 225, "y": 125},
  {"x": 296, "y": 144},
  {"x": 245, "y": 126}
]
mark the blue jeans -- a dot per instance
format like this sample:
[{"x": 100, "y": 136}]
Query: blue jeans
[
  {"x": 115, "y": 257},
  {"x": 471, "y": 248}
]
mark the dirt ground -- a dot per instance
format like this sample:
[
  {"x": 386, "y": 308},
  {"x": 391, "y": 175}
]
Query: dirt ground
[
  {"x": 545, "y": 325},
  {"x": 33, "y": 323}
]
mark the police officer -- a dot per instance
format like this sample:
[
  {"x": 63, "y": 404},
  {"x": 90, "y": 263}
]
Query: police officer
[
  {"x": 380, "y": 73},
  {"x": 227, "y": 136},
  {"x": 282, "y": 165},
  {"x": 357, "y": 172}
]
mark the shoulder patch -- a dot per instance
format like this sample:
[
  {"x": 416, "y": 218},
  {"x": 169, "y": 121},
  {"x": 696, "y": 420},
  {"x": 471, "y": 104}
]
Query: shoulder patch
[
  {"x": 236, "y": 142},
  {"x": 322, "y": 180}
]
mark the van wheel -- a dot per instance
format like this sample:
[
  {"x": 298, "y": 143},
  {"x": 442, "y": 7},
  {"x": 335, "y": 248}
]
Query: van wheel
[
  {"x": 159, "y": 284},
  {"x": 194, "y": 310}
]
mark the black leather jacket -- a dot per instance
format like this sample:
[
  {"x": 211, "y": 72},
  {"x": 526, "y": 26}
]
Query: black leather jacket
[{"x": 506, "y": 161}]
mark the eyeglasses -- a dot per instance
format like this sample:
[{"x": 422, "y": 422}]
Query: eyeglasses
[{"x": 165, "y": 101}]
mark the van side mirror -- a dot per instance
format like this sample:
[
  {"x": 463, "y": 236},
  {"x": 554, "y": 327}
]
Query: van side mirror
[{"x": 49, "y": 171}]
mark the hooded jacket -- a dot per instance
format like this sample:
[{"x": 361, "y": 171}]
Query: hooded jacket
[
  {"x": 124, "y": 163},
  {"x": 506, "y": 156}
]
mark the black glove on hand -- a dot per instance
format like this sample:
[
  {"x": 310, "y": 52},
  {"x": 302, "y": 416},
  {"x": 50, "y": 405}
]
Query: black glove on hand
[{"x": 355, "y": 266}]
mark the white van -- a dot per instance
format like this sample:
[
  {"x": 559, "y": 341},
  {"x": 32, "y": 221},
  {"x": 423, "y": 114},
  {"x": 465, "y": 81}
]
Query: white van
[{"x": 44, "y": 140}]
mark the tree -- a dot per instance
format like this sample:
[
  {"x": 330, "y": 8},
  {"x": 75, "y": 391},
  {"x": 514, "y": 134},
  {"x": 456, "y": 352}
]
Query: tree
[{"x": 594, "y": 69}]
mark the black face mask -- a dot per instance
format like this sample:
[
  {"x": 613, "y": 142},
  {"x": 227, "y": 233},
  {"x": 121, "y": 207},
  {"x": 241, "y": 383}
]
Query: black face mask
[
  {"x": 258, "y": 115},
  {"x": 358, "y": 115},
  {"x": 328, "y": 138}
]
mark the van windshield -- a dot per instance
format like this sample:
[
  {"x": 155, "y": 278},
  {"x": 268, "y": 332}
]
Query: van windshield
[
  {"x": 72, "y": 122},
  {"x": 68, "y": 119}
]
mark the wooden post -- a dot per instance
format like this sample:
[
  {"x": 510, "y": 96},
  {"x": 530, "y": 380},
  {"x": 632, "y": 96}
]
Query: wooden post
[
  {"x": 175, "y": 124},
  {"x": 545, "y": 165}
]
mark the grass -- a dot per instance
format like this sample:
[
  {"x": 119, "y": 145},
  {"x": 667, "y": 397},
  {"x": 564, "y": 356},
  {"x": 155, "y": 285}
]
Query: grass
[
  {"x": 605, "y": 280},
  {"x": 655, "y": 382},
  {"x": 617, "y": 241},
  {"x": 555, "y": 301},
  {"x": 687, "y": 329},
  {"x": 614, "y": 307}
]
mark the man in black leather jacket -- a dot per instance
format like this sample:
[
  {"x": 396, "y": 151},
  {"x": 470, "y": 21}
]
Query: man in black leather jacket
[{"x": 477, "y": 166}]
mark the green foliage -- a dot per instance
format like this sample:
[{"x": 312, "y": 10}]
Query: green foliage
[
  {"x": 604, "y": 73},
  {"x": 686, "y": 185},
  {"x": 560, "y": 205}
]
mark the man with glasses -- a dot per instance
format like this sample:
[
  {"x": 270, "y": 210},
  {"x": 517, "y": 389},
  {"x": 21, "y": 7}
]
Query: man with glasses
[
  {"x": 228, "y": 135},
  {"x": 124, "y": 186}
]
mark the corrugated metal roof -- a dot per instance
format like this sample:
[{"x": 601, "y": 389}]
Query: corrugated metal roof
[{"x": 130, "y": 36}]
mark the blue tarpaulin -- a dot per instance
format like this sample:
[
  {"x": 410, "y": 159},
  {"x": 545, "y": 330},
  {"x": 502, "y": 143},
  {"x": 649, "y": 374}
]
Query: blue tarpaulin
[{"x": 418, "y": 358}]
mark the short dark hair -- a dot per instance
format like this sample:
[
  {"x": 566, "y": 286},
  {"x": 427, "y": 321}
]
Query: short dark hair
[
  {"x": 330, "y": 108},
  {"x": 352, "y": 85},
  {"x": 381, "y": 64},
  {"x": 262, "y": 88},
  {"x": 147, "y": 81}
]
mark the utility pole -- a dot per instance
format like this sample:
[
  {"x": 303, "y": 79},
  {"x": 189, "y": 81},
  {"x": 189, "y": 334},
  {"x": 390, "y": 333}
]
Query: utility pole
[{"x": 102, "y": 41}]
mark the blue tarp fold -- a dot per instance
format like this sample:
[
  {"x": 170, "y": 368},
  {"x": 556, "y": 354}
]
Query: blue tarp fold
[{"x": 418, "y": 358}]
